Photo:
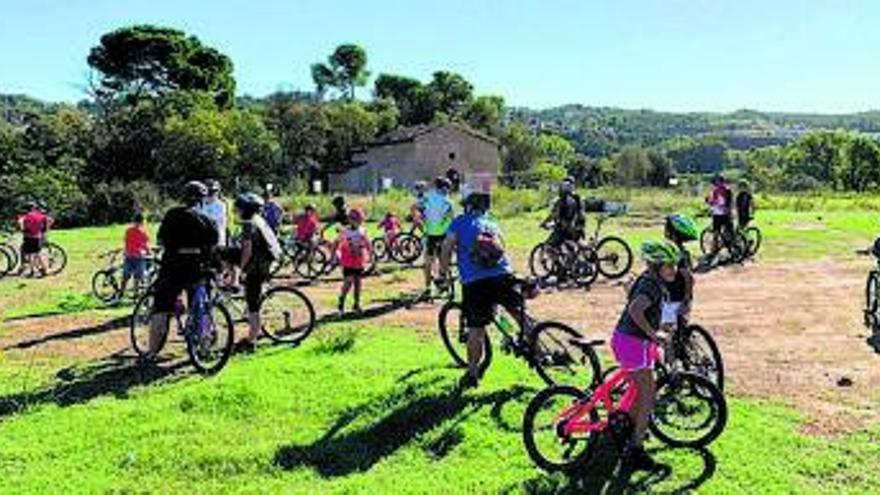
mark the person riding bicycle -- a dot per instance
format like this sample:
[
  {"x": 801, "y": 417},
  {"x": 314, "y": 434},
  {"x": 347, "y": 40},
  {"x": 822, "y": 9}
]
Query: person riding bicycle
[
  {"x": 259, "y": 248},
  {"x": 566, "y": 216},
  {"x": 188, "y": 238},
  {"x": 681, "y": 229},
  {"x": 745, "y": 205},
  {"x": 484, "y": 269},
  {"x": 273, "y": 212},
  {"x": 215, "y": 208},
  {"x": 635, "y": 338},
  {"x": 34, "y": 224},
  {"x": 355, "y": 252},
  {"x": 137, "y": 249},
  {"x": 438, "y": 214},
  {"x": 720, "y": 201},
  {"x": 390, "y": 225},
  {"x": 306, "y": 226}
]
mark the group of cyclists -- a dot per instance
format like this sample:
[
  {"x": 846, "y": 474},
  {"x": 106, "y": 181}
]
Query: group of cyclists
[{"x": 723, "y": 204}]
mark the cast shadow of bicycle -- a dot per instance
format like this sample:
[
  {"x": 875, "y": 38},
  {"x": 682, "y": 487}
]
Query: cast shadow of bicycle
[
  {"x": 114, "y": 375},
  {"x": 606, "y": 475},
  {"x": 73, "y": 333},
  {"x": 341, "y": 451},
  {"x": 385, "y": 306}
]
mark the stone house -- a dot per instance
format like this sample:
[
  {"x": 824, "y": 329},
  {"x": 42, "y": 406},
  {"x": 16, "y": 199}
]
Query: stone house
[{"x": 410, "y": 154}]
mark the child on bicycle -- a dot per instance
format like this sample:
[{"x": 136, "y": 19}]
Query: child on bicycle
[
  {"x": 353, "y": 249},
  {"x": 681, "y": 229},
  {"x": 137, "y": 248},
  {"x": 634, "y": 341},
  {"x": 306, "y": 226},
  {"x": 391, "y": 225}
]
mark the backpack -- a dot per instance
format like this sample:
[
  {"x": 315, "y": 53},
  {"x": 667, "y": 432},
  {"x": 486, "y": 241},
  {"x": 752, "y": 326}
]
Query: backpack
[
  {"x": 488, "y": 250},
  {"x": 272, "y": 214},
  {"x": 268, "y": 243}
]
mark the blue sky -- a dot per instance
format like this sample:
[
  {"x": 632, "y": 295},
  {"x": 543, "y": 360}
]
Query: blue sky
[{"x": 678, "y": 55}]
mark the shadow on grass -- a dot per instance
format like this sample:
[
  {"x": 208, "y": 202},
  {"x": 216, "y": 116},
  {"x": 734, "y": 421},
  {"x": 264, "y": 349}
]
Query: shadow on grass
[
  {"x": 385, "y": 306},
  {"x": 406, "y": 417},
  {"x": 115, "y": 375},
  {"x": 606, "y": 475},
  {"x": 75, "y": 333}
]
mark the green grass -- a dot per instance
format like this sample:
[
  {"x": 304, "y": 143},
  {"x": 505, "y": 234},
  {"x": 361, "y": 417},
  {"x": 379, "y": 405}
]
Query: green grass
[{"x": 367, "y": 410}]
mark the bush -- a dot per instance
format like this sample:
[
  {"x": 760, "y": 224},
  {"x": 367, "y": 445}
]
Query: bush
[{"x": 56, "y": 190}]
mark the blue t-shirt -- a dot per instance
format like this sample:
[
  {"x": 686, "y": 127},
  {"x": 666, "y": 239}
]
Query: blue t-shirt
[{"x": 466, "y": 227}]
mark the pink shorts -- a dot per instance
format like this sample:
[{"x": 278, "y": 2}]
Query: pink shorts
[{"x": 633, "y": 353}]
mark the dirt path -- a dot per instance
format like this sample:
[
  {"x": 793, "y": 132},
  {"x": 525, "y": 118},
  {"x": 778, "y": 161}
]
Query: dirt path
[{"x": 788, "y": 332}]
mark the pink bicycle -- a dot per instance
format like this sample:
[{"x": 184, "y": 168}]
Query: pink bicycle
[{"x": 562, "y": 424}]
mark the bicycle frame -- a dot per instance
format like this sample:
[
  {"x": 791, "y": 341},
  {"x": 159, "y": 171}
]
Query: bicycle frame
[{"x": 573, "y": 419}]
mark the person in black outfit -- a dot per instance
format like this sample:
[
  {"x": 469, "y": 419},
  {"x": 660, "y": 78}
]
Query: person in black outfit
[
  {"x": 567, "y": 216},
  {"x": 187, "y": 237},
  {"x": 745, "y": 205}
]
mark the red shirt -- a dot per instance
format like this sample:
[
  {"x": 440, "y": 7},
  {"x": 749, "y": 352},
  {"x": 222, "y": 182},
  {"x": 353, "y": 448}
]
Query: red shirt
[
  {"x": 306, "y": 226},
  {"x": 354, "y": 248},
  {"x": 34, "y": 224},
  {"x": 137, "y": 242},
  {"x": 391, "y": 225}
]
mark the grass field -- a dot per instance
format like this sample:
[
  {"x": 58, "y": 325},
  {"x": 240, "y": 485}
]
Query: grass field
[{"x": 364, "y": 407}]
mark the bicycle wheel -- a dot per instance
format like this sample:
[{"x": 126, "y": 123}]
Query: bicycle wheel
[
  {"x": 707, "y": 240},
  {"x": 455, "y": 337},
  {"x": 615, "y": 257},
  {"x": 139, "y": 326},
  {"x": 56, "y": 258},
  {"x": 871, "y": 294},
  {"x": 737, "y": 248},
  {"x": 209, "y": 344},
  {"x": 698, "y": 353},
  {"x": 542, "y": 433},
  {"x": 690, "y": 411},
  {"x": 105, "y": 287},
  {"x": 540, "y": 261},
  {"x": 7, "y": 264},
  {"x": 330, "y": 262},
  {"x": 287, "y": 315},
  {"x": 753, "y": 240},
  {"x": 408, "y": 249},
  {"x": 310, "y": 264},
  {"x": 560, "y": 359},
  {"x": 380, "y": 249}
]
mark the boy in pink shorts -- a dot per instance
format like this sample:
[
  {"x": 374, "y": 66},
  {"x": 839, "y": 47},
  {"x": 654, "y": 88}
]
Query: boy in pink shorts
[{"x": 635, "y": 339}]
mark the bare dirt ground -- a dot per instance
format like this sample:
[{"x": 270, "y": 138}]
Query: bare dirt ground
[{"x": 788, "y": 332}]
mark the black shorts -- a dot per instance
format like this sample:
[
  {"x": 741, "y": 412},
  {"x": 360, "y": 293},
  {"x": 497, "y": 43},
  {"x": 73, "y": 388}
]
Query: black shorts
[
  {"x": 721, "y": 223},
  {"x": 352, "y": 272},
  {"x": 253, "y": 289},
  {"x": 434, "y": 244},
  {"x": 30, "y": 245},
  {"x": 480, "y": 298},
  {"x": 744, "y": 221},
  {"x": 175, "y": 276}
]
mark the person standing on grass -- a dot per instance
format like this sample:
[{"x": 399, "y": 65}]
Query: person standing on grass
[
  {"x": 354, "y": 251},
  {"x": 437, "y": 214},
  {"x": 720, "y": 202},
  {"x": 259, "y": 248},
  {"x": 484, "y": 270},
  {"x": 137, "y": 249},
  {"x": 34, "y": 225},
  {"x": 273, "y": 212},
  {"x": 215, "y": 208},
  {"x": 188, "y": 238},
  {"x": 745, "y": 205},
  {"x": 566, "y": 216}
]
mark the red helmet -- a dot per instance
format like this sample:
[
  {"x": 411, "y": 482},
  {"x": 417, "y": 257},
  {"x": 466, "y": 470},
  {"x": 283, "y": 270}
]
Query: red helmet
[{"x": 356, "y": 215}]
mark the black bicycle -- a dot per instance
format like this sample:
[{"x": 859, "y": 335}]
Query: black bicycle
[
  {"x": 733, "y": 241},
  {"x": 557, "y": 352},
  {"x": 405, "y": 248},
  {"x": 286, "y": 313}
]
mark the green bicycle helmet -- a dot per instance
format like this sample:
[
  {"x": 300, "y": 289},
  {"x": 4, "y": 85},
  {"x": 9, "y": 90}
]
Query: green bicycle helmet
[
  {"x": 682, "y": 226},
  {"x": 660, "y": 253}
]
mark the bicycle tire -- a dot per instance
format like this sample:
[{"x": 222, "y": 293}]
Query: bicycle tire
[
  {"x": 139, "y": 326},
  {"x": 225, "y": 328},
  {"x": 537, "y": 262},
  {"x": 738, "y": 248},
  {"x": 453, "y": 335},
  {"x": 289, "y": 335},
  {"x": 311, "y": 264},
  {"x": 559, "y": 353},
  {"x": 753, "y": 240},
  {"x": 105, "y": 288},
  {"x": 587, "y": 266},
  {"x": 871, "y": 303},
  {"x": 535, "y": 449},
  {"x": 623, "y": 265},
  {"x": 7, "y": 263},
  {"x": 56, "y": 258},
  {"x": 408, "y": 250},
  {"x": 380, "y": 249},
  {"x": 668, "y": 388},
  {"x": 13, "y": 253},
  {"x": 713, "y": 369},
  {"x": 707, "y": 240}
]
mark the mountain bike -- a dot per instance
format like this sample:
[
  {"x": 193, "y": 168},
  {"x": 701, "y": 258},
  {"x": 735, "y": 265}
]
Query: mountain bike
[
  {"x": 8, "y": 261},
  {"x": 614, "y": 257},
  {"x": 306, "y": 260},
  {"x": 405, "y": 248},
  {"x": 871, "y": 311},
  {"x": 205, "y": 324},
  {"x": 562, "y": 425},
  {"x": 557, "y": 352},
  {"x": 286, "y": 313},
  {"x": 107, "y": 282},
  {"x": 733, "y": 241},
  {"x": 11, "y": 250},
  {"x": 556, "y": 263},
  {"x": 691, "y": 348}
]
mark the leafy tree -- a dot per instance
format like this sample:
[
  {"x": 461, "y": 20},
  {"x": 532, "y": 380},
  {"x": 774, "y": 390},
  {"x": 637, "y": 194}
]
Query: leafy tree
[
  {"x": 521, "y": 152},
  {"x": 345, "y": 70},
  {"x": 660, "y": 169},
  {"x": 453, "y": 92},
  {"x": 555, "y": 149},
  {"x": 632, "y": 166},
  {"x": 350, "y": 126},
  {"x": 145, "y": 60},
  {"x": 485, "y": 113},
  {"x": 863, "y": 159}
]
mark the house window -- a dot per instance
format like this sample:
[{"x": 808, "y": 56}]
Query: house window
[{"x": 452, "y": 156}]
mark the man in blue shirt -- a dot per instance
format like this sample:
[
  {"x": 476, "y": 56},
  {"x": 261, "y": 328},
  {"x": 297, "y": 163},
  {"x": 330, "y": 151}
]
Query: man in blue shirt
[
  {"x": 485, "y": 272},
  {"x": 437, "y": 214}
]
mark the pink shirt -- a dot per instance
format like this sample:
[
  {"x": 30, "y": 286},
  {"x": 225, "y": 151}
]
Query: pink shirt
[
  {"x": 354, "y": 248},
  {"x": 34, "y": 224}
]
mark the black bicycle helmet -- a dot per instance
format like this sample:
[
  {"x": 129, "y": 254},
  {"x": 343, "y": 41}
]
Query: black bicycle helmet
[
  {"x": 213, "y": 186},
  {"x": 194, "y": 191},
  {"x": 339, "y": 201},
  {"x": 442, "y": 183},
  {"x": 248, "y": 204}
]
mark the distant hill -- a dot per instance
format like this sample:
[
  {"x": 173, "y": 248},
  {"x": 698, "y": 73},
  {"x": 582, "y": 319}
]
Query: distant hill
[{"x": 596, "y": 131}]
